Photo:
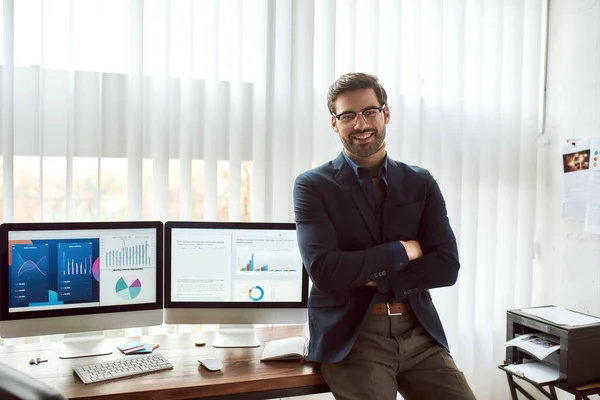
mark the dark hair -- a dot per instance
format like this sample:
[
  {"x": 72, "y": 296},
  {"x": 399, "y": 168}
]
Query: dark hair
[{"x": 354, "y": 81}]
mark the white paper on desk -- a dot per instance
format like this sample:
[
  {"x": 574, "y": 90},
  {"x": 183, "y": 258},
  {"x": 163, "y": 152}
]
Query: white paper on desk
[
  {"x": 537, "y": 344},
  {"x": 562, "y": 316},
  {"x": 538, "y": 372},
  {"x": 592, "y": 212},
  {"x": 576, "y": 172}
]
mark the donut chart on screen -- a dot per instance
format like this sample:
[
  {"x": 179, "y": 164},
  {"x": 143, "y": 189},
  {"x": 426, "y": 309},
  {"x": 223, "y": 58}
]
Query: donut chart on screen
[
  {"x": 128, "y": 287},
  {"x": 256, "y": 293}
]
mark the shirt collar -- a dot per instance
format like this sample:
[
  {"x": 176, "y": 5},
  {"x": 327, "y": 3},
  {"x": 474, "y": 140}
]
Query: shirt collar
[{"x": 362, "y": 172}]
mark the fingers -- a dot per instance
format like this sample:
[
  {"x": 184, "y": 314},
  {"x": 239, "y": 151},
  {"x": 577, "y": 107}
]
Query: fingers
[{"x": 413, "y": 249}]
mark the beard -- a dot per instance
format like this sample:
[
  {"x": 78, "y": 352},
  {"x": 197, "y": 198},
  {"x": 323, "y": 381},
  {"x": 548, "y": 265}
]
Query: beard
[{"x": 367, "y": 149}]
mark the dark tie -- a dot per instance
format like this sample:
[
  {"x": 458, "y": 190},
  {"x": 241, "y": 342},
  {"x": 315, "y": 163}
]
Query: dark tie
[{"x": 378, "y": 183}]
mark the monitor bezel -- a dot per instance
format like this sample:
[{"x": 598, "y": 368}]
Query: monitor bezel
[
  {"x": 5, "y": 228},
  {"x": 169, "y": 304}
]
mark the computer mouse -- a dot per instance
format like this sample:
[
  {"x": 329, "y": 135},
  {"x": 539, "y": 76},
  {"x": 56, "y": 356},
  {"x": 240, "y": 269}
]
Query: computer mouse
[{"x": 211, "y": 364}]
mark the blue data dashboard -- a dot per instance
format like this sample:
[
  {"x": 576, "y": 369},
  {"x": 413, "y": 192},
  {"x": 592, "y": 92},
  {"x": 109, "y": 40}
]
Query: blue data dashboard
[
  {"x": 235, "y": 265},
  {"x": 59, "y": 269}
]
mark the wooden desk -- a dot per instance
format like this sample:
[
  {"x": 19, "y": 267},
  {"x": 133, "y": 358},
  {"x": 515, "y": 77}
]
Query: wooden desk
[{"x": 243, "y": 375}]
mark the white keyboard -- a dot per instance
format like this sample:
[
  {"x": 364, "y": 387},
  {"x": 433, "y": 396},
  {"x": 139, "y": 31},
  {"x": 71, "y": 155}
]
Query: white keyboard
[{"x": 123, "y": 367}]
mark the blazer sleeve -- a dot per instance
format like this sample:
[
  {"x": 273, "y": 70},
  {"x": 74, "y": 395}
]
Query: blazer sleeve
[
  {"x": 439, "y": 264},
  {"x": 330, "y": 268}
]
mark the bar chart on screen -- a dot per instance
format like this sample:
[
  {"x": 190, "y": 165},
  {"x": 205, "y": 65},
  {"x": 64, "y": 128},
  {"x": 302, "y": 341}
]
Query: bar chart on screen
[
  {"x": 123, "y": 250},
  {"x": 75, "y": 271},
  {"x": 127, "y": 268},
  {"x": 268, "y": 260}
]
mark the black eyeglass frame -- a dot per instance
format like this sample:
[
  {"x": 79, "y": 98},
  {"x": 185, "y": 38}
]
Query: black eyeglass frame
[{"x": 357, "y": 113}]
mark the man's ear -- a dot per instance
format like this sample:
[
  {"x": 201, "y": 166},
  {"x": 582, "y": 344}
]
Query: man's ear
[
  {"x": 386, "y": 112},
  {"x": 334, "y": 124}
]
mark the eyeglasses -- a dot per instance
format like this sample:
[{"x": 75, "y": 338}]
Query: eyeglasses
[{"x": 349, "y": 118}]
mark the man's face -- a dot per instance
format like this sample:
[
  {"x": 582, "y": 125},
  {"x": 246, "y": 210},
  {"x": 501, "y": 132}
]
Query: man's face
[{"x": 363, "y": 136}]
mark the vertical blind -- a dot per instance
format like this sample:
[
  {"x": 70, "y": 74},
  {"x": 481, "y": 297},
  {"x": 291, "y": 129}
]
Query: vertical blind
[{"x": 208, "y": 109}]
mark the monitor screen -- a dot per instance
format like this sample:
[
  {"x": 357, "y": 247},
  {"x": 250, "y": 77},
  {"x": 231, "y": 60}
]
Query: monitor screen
[
  {"x": 234, "y": 273},
  {"x": 79, "y": 277}
]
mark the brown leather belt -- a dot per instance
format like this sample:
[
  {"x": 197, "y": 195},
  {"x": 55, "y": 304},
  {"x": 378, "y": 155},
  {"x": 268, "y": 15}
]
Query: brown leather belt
[{"x": 391, "y": 308}]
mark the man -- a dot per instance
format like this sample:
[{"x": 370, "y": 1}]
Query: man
[{"x": 374, "y": 237}]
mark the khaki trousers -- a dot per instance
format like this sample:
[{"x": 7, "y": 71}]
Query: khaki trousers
[{"x": 395, "y": 354}]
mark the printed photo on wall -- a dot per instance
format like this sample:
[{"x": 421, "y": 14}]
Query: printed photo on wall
[{"x": 577, "y": 161}]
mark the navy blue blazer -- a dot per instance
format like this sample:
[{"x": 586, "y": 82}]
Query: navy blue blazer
[{"x": 343, "y": 247}]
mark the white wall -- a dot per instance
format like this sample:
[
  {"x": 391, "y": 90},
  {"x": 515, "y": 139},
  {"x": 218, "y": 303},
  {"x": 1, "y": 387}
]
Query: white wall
[{"x": 567, "y": 259}]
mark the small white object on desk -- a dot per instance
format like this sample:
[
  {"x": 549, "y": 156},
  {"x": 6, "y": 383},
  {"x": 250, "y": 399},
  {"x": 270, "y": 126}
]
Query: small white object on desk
[{"x": 211, "y": 364}]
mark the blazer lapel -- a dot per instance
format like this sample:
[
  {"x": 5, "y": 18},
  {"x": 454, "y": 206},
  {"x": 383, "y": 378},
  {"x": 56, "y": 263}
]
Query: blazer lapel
[{"x": 349, "y": 183}]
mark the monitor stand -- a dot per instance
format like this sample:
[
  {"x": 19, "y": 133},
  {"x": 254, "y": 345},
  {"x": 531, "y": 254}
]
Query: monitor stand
[
  {"x": 236, "y": 335},
  {"x": 87, "y": 344}
]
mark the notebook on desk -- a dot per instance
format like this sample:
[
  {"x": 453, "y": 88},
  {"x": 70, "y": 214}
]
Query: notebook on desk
[{"x": 290, "y": 348}]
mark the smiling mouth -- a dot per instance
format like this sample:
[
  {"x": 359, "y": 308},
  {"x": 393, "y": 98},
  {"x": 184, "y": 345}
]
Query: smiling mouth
[{"x": 363, "y": 136}]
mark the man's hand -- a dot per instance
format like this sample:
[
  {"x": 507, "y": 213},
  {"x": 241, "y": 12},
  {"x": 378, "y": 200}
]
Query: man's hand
[{"x": 413, "y": 249}]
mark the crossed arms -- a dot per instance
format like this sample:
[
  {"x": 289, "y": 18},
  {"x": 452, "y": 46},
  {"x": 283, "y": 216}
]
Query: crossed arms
[{"x": 427, "y": 261}]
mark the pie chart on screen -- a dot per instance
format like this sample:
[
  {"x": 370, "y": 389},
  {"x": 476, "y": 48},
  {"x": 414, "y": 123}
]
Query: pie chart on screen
[
  {"x": 96, "y": 269},
  {"x": 128, "y": 287}
]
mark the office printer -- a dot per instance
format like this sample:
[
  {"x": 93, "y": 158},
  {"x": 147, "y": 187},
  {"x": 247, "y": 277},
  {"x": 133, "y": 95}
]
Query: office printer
[{"x": 577, "y": 360}]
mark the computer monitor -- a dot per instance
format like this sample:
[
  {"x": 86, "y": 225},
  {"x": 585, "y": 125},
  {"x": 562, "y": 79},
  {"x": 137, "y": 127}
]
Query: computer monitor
[
  {"x": 234, "y": 274},
  {"x": 79, "y": 279}
]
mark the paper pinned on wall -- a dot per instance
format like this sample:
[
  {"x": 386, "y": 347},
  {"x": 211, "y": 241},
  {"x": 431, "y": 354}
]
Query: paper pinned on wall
[
  {"x": 575, "y": 162},
  {"x": 592, "y": 214},
  {"x": 581, "y": 182}
]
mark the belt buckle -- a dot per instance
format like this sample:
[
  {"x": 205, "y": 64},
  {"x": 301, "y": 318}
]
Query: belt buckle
[{"x": 389, "y": 312}]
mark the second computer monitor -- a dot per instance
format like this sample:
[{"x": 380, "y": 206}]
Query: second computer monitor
[{"x": 234, "y": 273}]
